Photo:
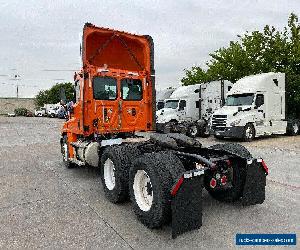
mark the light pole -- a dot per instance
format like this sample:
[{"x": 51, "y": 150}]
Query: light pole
[{"x": 17, "y": 78}]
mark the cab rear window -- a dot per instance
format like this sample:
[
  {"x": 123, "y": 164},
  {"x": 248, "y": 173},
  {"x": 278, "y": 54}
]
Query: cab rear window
[
  {"x": 105, "y": 88},
  {"x": 131, "y": 89}
]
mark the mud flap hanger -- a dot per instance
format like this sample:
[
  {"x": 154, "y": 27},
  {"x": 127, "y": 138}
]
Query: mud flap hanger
[{"x": 186, "y": 202}]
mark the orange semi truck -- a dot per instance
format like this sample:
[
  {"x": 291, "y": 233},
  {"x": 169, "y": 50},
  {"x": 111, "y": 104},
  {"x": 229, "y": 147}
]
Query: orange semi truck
[{"x": 165, "y": 174}]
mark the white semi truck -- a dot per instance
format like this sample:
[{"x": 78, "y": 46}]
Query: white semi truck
[
  {"x": 254, "y": 107},
  {"x": 189, "y": 108}
]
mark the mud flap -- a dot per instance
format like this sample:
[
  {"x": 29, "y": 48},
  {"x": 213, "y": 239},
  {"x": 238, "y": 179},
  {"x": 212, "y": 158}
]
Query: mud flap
[
  {"x": 255, "y": 183},
  {"x": 187, "y": 203}
]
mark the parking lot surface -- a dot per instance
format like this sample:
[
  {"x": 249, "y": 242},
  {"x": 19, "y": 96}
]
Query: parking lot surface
[{"x": 45, "y": 205}]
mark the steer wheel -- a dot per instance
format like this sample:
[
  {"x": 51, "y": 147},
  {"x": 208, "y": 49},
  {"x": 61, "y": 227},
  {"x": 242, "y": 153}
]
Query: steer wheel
[
  {"x": 65, "y": 153},
  {"x": 249, "y": 132}
]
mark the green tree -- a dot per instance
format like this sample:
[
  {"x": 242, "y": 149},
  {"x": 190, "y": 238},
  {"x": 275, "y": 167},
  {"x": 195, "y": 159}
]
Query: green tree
[
  {"x": 269, "y": 50},
  {"x": 53, "y": 95}
]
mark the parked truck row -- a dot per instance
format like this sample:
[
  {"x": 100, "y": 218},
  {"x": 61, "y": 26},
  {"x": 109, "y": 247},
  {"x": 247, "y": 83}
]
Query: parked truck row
[{"x": 254, "y": 106}]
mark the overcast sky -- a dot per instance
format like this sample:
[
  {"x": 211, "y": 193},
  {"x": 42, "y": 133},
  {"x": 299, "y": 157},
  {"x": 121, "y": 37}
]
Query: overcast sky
[{"x": 45, "y": 35}]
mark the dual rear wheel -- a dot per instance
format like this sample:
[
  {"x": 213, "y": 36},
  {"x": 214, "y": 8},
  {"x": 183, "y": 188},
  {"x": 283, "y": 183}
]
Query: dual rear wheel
[{"x": 147, "y": 179}]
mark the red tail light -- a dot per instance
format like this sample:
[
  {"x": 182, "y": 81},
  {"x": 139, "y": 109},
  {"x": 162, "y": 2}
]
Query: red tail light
[
  {"x": 224, "y": 179},
  {"x": 213, "y": 183}
]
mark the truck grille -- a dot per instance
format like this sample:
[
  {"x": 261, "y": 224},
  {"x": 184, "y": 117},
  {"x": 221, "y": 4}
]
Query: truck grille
[{"x": 219, "y": 122}]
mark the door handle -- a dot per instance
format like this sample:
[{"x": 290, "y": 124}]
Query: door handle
[{"x": 260, "y": 111}]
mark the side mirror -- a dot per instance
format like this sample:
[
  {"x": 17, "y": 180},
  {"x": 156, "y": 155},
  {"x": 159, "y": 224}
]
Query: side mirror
[
  {"x": 240, "y": 109},
  {"x": 259, "y": 101}
]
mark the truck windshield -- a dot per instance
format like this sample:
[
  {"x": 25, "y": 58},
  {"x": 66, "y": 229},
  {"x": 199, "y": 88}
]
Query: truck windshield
[
  {"x": 173, "y": 104},
  {"x": 239, "y": 100}
]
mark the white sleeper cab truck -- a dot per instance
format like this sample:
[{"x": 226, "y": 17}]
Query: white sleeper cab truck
[
  {"x": 180, "y": 107},
  {"x": 189, "y": 108},
  {"x": 255, "y": 106}
]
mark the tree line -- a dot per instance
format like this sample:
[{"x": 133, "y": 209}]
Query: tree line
[
  {"x": 53, "y": 95},
  {"x": 269, "y": 50}
]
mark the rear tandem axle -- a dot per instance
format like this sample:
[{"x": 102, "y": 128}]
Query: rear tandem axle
[{"x": 165, "y": 175}]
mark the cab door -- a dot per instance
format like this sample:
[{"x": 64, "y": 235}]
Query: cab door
[
  {"x": 260, "y": 121},
  {"x": 133, "y": 104},
  {"x": 182, "y": 112}
]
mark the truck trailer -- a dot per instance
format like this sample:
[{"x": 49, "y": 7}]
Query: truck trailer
[
  {"x": 254, "y": 107},
  {"x": 163, "y": 176},
  {"x": 189, "y": 108}
]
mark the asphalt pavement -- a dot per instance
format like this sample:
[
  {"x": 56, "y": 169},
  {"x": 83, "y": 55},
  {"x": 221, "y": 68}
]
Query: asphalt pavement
[{"x": 45, "y": 205}]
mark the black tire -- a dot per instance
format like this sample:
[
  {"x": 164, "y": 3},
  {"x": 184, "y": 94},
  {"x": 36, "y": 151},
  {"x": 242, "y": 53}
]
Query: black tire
[
  {"x": 122, "y": 157},
  {"x": 248, "y": 136},
  {"x": 205, "y": 132},
  {"x": 193, "y": 131},
  {"x": 293, "y": 128},
  {"x": 65, "y": 153},
  {"x": 233, "y": 148},
  {"x": 238, "y": 176},
  {"x": 163, "y": 169},
  {"x": 169, "y": 126}
]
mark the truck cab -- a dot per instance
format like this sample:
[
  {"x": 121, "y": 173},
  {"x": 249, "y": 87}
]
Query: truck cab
[
  {"x": 174, "y": 110},
  {"x": 181, "y": 106},
  {"x": 114, "y": 91},
  {"x": 255, "y": 106}
]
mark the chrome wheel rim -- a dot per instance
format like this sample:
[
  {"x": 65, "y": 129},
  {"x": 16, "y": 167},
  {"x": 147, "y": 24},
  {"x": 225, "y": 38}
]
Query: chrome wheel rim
[{"x": 295, "y": 128}]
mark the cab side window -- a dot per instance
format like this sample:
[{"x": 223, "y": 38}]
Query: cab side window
[
  {"x": 131, "y": 89},
  {"x": 105, "y": 88},
  {"x": 259, "y": 100}
]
